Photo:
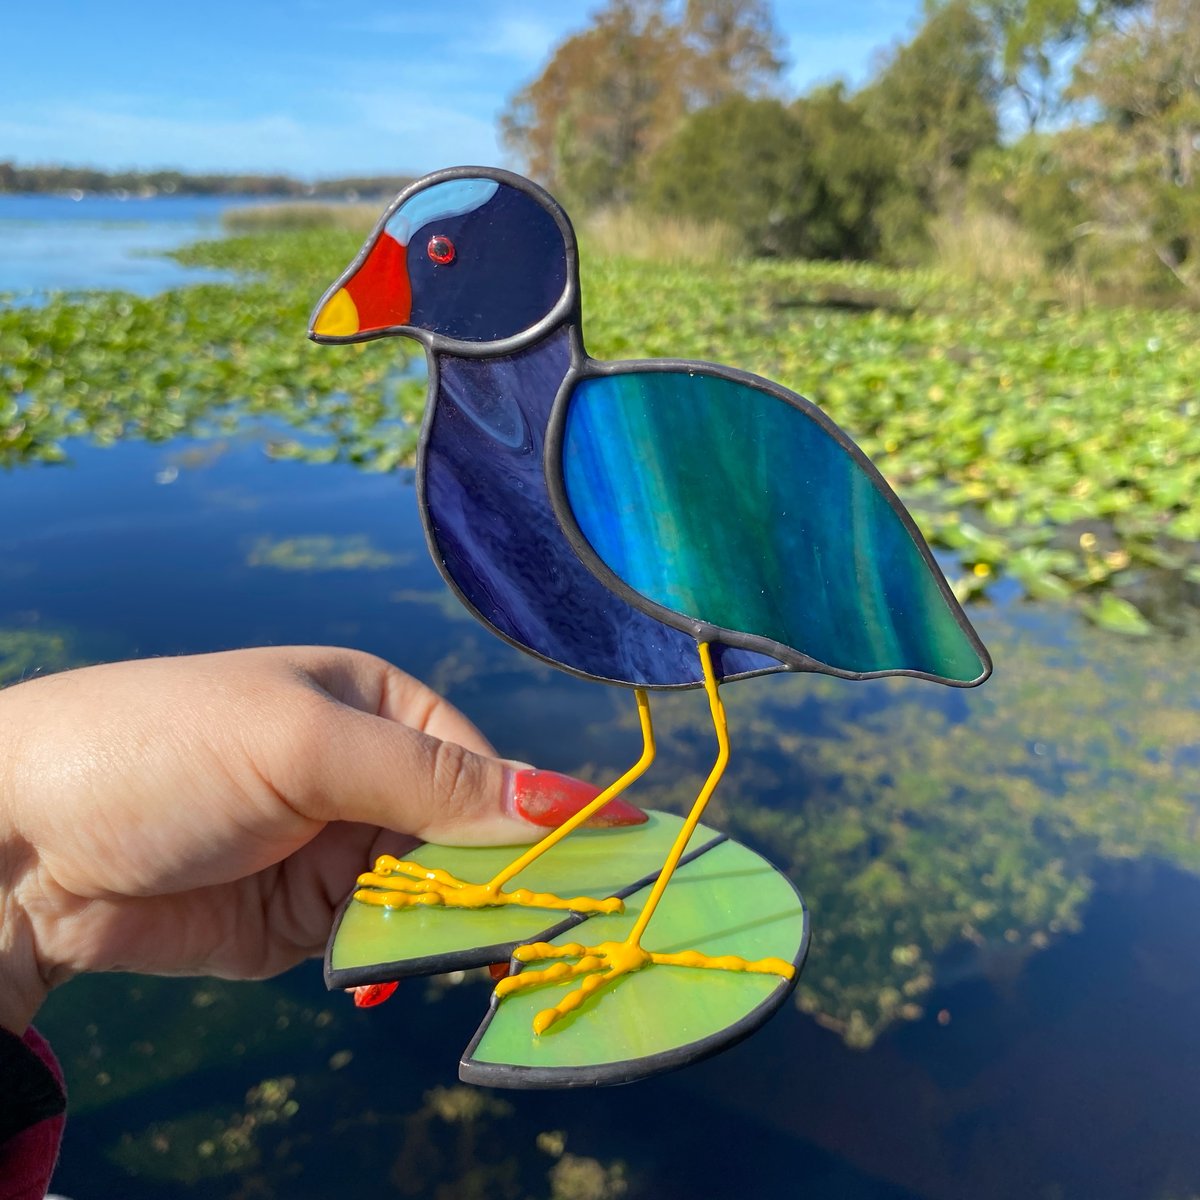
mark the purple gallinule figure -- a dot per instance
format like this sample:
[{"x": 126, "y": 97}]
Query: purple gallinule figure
[{"x": 655, "y": 524}]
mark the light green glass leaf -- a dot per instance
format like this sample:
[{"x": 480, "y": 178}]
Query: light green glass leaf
[
  {"x": 727, "y": 900},
  {"x": 371, "y": 944}
]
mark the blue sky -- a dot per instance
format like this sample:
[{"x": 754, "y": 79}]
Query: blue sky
[{"x": 321, "y": 89}]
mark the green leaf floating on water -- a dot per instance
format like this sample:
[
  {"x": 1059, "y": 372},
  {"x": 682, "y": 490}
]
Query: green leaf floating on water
[
  {"x": 724, "y": 899},
  {"x": 1111, "y": 612}
]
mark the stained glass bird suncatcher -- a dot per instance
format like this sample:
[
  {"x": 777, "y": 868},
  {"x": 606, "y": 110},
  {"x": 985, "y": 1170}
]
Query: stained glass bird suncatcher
[{"x": 654, "y": 524}]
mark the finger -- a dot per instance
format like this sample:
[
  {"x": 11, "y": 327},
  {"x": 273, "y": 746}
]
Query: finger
[
  {"x": 333, "y": 762},
  {"x": 410, "y": 702},
  {"x": 395, "y": 754},
  {"x": 374, "y": 685},
  {"x": 545, "y": 798}
]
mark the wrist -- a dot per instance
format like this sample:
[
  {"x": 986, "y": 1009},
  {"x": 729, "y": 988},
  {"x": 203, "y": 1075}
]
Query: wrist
[{"x": 22, "y": 988}]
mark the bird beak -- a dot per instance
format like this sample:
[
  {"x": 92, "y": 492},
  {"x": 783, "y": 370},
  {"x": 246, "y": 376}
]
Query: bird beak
[{"x": 372, "y": 297}]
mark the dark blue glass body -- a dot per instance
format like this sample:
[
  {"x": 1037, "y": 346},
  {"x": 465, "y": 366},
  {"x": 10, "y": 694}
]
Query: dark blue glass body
[{"x": 498, "y": 542}]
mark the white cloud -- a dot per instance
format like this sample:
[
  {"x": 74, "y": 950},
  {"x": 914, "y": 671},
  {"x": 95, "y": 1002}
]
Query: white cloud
[
  {"x": 494, "y": 54},
  {"x": 523, "y": 39},
  {"x": 382, "y": 132},
  {"x": 93, "y": 133},
  {"x": 435, "y": 134}
]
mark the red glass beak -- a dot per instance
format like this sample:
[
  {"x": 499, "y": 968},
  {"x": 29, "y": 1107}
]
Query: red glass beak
[{"x": 375, "y": 296}]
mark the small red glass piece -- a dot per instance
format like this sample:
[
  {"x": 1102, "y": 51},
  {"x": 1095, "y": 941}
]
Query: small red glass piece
[
  {"x": 371, "y": 994},
  {"x": 498, "y": 970},
  {"x": 440, "y": 249}
]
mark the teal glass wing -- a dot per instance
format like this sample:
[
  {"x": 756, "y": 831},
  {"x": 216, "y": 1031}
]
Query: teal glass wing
[{"x": 721, "y": 501}]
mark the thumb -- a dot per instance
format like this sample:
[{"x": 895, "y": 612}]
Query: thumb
[{"x": 370, "y": 769}]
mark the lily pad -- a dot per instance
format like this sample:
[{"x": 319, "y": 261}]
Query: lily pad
[
  {"x": 1112, "y": 612},
  {"x": 724, "y": 900},
  {"x": 371, "y": 944}
]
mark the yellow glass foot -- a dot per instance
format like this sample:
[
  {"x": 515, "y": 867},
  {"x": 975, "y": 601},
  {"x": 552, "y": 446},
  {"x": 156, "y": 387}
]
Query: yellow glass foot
[
  {"x": 398, "y": 883},
  {"x": 600, "y": 965}
]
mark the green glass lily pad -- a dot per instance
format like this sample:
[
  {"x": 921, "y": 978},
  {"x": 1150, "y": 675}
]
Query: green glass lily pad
[
  {"x": 724, "y": 900},
  {"x": 375, "y": 945}
]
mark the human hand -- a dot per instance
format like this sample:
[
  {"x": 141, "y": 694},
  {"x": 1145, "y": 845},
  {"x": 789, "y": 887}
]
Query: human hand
[{"x": 206, "y": 815}]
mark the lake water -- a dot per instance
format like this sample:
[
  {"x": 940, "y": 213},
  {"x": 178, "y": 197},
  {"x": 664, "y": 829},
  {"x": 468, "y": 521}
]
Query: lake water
[
  {"x": 1002, "y": 992},
  {"x": 55, "y": 243}
]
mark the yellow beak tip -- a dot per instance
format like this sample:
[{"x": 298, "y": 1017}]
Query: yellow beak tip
[{"x": 338, "y": 316}]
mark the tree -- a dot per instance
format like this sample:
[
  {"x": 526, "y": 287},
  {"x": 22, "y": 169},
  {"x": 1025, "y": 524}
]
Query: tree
[
  {"x": 935, "y": 102},
  {"x": 1035, "y": 43},
  {"x": 740, "y": 162},
  {"x": 856, "y": 168},
  {"x": 733, "y": 47},
  {"x": 1141, "y": 163},
  {"x": 1031, "y": 183},
  {"x": 803, "y": 181},
  {"x": 608, "y": 97},
  {"x": 612, "y": 95}
]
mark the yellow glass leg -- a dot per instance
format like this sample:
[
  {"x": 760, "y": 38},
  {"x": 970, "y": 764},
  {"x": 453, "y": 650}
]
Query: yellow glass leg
[
  {"x": 717, "y": 709},
  {"x": 601, "y": 964},
  {"x": 609, "y": 793},
  {"x": 397, "y": 883}
]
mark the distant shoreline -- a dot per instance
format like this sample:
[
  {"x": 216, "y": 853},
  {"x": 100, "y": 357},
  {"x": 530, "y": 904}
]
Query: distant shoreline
[{"x": 78, "y": 182}]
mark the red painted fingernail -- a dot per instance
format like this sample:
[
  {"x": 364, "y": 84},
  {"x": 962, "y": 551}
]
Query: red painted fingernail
[
  {"x": 498, "y": 970},
  {"x": 371, "y": 994},
  {"x": 547, "y": 798}
]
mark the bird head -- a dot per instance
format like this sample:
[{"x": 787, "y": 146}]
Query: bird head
[{"x": 464, "y": 257}]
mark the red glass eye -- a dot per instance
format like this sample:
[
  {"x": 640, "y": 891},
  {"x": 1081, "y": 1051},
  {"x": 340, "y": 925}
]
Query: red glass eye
[{"x": 440, "y": 249}]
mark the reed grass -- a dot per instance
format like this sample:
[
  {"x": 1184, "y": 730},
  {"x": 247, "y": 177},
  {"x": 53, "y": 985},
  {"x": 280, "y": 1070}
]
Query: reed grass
[
  {"x": 288, "y": 216},
  {"x": 633, "y": 233},
  {"x": 986, "y": 247}
]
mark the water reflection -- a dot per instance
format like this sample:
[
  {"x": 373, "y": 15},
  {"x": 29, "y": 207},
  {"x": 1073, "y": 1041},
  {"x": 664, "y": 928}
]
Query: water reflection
[{"x": 1005, "y": 883}]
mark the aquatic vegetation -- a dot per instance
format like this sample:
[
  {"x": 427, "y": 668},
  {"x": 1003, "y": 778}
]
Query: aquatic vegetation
[
  {"x": 301, "y": 214},
  {"x": 211, "y": 1142},
  {"x": 197, "y": 361},
  {"x": 320, "y": 552},
  {"x": 272, "y": 1073},
  {"x": 28, "y": 652},
  {"x": 1050, "y": 450}
]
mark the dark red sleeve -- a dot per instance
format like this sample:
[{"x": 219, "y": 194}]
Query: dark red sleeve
[{"x": 33, "y": 1106}]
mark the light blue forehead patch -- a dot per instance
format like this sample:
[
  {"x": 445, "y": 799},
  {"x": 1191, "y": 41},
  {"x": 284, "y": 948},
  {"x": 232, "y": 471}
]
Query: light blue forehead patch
[{"x": 450, "y": 199}]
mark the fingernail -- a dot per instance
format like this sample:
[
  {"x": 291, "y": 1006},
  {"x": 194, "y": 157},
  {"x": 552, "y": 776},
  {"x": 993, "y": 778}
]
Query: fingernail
[
  {"x": 547, "y": 798},
  {"x": 371, "y": 994}
]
